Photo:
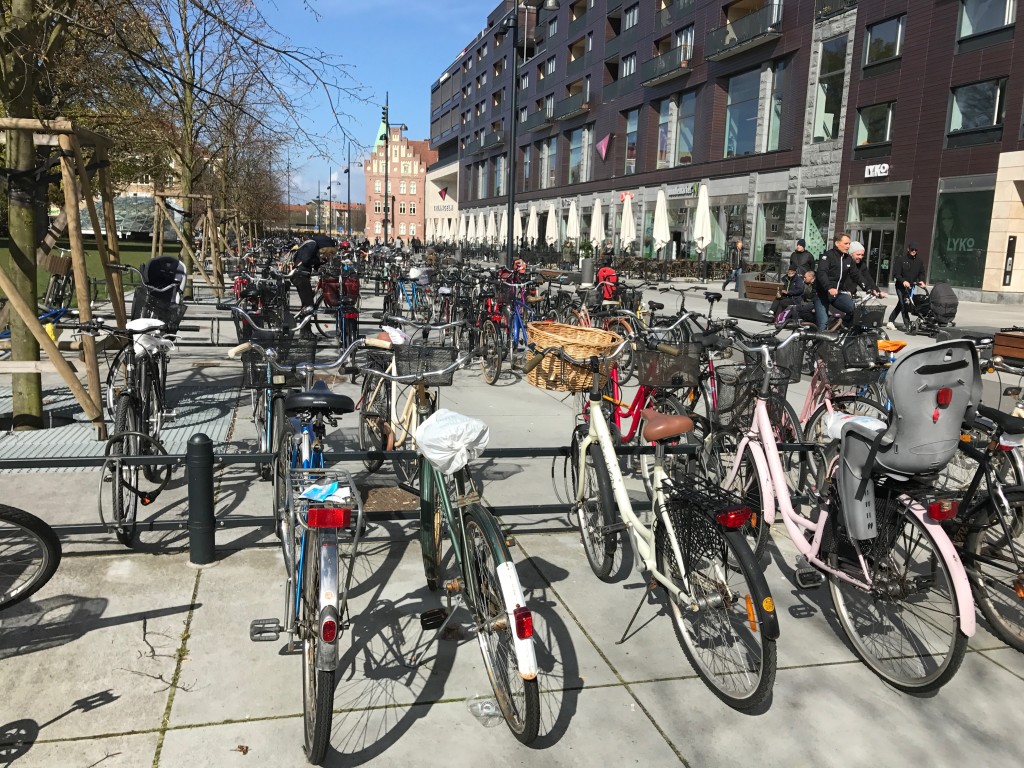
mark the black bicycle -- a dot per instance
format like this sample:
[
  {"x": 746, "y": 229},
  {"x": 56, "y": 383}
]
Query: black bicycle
[{"x": 29, "y": 555}]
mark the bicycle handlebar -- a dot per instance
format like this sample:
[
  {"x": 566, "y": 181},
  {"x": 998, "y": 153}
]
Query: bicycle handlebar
[
  {"x": 235, "y": 309},
  {"x": 412, "y": 378},
  {"x": 151, "y": 288},
  {"x": 539, "y": 355}
]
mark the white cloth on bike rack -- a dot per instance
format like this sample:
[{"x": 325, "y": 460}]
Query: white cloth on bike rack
[{"x": 449, "y": 440}]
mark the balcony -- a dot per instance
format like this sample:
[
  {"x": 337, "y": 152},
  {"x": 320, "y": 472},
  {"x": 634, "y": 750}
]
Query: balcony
[
  {"x": 577, "y": 67},
  {"x": 612, "y": 47},
  {"x": 613, "y": 5},
  {"x": 473, "y": 147},
  {"x": 676, "y": 62},
  {"x": 825, "y": 8},
  {"x": 577, "y": 25},
  {"x": 676, "y": 11},
  {"x": 572, "y": 106},
  {"x": 761, "y": 26},
  {"x": 538, "y": 119},
  {"x": 492, "y": 140},
  {"x": 620, "y": 87}
]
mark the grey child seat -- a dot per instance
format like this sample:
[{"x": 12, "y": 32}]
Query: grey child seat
[{"x": 921, "y": 436}]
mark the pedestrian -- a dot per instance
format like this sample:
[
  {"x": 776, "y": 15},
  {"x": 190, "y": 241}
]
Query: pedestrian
[
  {"x": 790, "y": 293},
  {"x": 735, "y": 265},
  {"x": 909, "y": 273},
  {"x": 306, "y": 261},
  {"x": 801, "y": 258}
]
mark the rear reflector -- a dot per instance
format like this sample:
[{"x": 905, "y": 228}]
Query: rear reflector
[
  {"x": 734, "y": 517},
  {"x": 524, "y": 622},
  {"x": 944, "y": 397},
  {"x": 943, "y": 509},
  {"x": 329, "y": 517},
  {"x": 329, "y": 630}
]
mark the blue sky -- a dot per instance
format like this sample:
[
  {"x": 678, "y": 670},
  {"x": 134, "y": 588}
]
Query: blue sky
[{"x": 395, "y": 46}]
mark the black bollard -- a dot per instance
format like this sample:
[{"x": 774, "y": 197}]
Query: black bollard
[{"x": 199, "y": 468}]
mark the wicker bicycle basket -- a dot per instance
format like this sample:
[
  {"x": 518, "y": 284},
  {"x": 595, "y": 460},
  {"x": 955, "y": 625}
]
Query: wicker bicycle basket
[
  {"x": 656, "y": 369},
  {"x": 852, "y": 362},
  {"x": 737, "y": 386},
  {"x": 414, "y": 359},
  {"x": 557, "y": 374}
]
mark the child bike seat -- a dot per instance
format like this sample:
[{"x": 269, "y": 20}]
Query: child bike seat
[
  {"x": 319, "y": 399},
  {"x": 663, "y": 426}
]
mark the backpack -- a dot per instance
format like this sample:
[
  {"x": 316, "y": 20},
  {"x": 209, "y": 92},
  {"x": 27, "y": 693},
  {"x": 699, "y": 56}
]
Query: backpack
[{"x": 607, "y": 275}]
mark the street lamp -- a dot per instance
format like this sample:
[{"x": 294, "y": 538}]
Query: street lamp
[
  {"x": 348, "y": 203},
  {"x": 388, "y": 198},
  {"x": 511, "y": 22}
]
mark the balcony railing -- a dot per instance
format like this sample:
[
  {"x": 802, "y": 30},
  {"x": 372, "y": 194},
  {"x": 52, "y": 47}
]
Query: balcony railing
[
  {"x": 472, "y": 147},
  {"x": 572, "y": 106},
  {"x": 613, "y": 5},
  {"x": 676, "y": 62},
  {"x": 825, "y": 8},
  {"x": 612, "y": 47},
  {"x": 538, "y": 119},
  {"x": 576, "y": 67},
  {"x": 620, "y": 87},
  {"x": 492, "y": 139},
  {"x": 577, "y": 25},
  {"x": 673, "y": 13},
  {"x": 753, "y": 29}
]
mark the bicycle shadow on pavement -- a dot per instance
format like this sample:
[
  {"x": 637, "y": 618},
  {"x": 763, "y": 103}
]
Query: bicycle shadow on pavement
[{"x": 19, "y": 736}]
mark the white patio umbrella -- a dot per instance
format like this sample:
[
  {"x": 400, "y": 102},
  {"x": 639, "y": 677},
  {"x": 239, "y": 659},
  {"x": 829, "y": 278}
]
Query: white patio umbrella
[
  {"x": 517, "y": 227},
  {"x": 551, "y": 229},
  {"x": 503, "y": 228},
  {"x": 462, "y": 228},
  {"x": 572, "y": 227},
  {"x": 702, "y": 227},
  {"x": 661, "y": 233},
  {"x": 492, "y": 229},
  {"x": 471, "y": 230},
  {"x": 597, "y": 226},
  {"x": 532, "y": 228},
  {"x": 481, "y": 227},
  {"x": 627, "y": 233},
  {"x": 430, "y": 230}
]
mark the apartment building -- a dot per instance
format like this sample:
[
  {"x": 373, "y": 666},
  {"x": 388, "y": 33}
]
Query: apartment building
[
  {"x": 776, "y": 107},
  {"x": 406, "y": 184}
]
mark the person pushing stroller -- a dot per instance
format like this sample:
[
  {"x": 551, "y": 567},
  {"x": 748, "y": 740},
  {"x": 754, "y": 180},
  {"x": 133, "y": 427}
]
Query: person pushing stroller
[{"x": 909, "y": 273}]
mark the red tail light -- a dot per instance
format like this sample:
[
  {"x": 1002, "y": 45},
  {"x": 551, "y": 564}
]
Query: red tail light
[
  {"x": 524, "y": 622},
  {"x": 734, "y": 517},
  {"x": 329, "y": 517},
  {"x": 943, "y": 509},
  {"x": 329, "y": 630},
  {"x": 944, "y": 397}
]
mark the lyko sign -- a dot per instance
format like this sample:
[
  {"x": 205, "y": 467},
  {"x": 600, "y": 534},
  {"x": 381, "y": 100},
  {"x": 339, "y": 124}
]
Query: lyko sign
[{"x": 879, "y": 171}]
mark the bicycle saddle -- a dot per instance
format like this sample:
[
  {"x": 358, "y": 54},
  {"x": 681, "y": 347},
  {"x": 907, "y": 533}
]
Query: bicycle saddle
[
  {"x": 662, "y": 426},
  {"x": 1011, "y": 425},
  {"x": 712, "y": 296},
  {"x": 655, "y": 306},
  {"x": 319, "y": 399}
]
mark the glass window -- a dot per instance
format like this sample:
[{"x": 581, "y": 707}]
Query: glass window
[
  {"x": 552, "y": 26},
  {"x": 579, "y": 154},
  {"x": 401, "y": 208},
  {"x": 549, "y": 66},
  {"x": 527, "y": 153},
  {"x": 524, "y": 81},
  {"x": 377, "y": 228},
  {"x": 960, "y": 244},
  {"x": 549, "y": 104},
  {"x": 548, "y": 162},
  {"x": 977, "y": 16},
  {"x": 632, "y": 121},
  {"x": 481, "y": 181},
  {"x": 524, "y": 113},
  {"x": 741, "y": 114},
  {"x": 628, "y": 66},
  {"x": 401, "y": 228},
  {"x": 685, "y": 127},
  {"x": 412, "y": 189},
  {"x": 499, "y": 175},
  {"x": 412, "y": 230},
  {"x": 775, "y": 106},
  {"x": 874, "y": 124},
  {"x": 816, "y": 221},
  {"x": 666, "y": 119},
  {"x": 979, "y": 105},
  {"x": 631, "y": 16},
  {"x": 684, "y": 39},
  {"x": 377, "y": 206},
  {"x": 412, "y": 209},
  {"x": 401, "y": 188},
  {"x": 884, "y": 40},
  {"x": 377, "y": 186},
  {"x": 831, "y": 84}
]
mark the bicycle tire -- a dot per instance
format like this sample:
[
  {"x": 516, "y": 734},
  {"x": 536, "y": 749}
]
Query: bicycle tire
[
  {"x": 737, "y": 662},
  {"x": 430, "y": 540},
  {"x": 786, "y": 429},
  {"x": 597, "y": 510},
  {"x": 991, "y": 558},
  {"x": 259, "y": 418},
  {"x": 490, "y": 343},
  {"x": 719, "y": 460},
  {"x": 125, "y": 482},
  {"x": 517, "y": 697},
  {"x": 676, "y": 466},
  {"x": 31, "y": 554},
  {"x": 281, "y": 446},
  {"x": 317, "y": 684},
  {"x": 151, "y": 415},
  {"x": 407, "y": 470},
  {"x": 115, "y": 382},
  {"x": 374, "y": 419},
  {"x": 322, "y": 318},
  {"x": 900, "y": 533}
]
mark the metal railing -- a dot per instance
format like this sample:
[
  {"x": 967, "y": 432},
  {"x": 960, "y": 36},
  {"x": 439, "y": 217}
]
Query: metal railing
[
  {"x": 671, "y": 64},
  {"x": 577, "y": 66},
  {"x": 760, "y": 26},
  {"x": 572, "y": 106},
  {"x": 674, "y": 12},
  {"x": 825, "y": 8},
  {"x": 536, "y": 120}
]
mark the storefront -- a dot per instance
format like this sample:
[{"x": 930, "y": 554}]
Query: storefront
[
  {"x": 877, "y": 217},
  {"x": 769, "y": 226},
  {"x": 963, "y": 214},
  {"x": 817, "y": 215}
]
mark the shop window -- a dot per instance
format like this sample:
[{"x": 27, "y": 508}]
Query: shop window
[
  {"x": 632, "y": 121},
  {"x": 874, "y": 124},
  {"x": 976, "y": 109},
  {"x": 978, "y": 16},
  {"x": 579, "y": 154},
  {"x": 686, "y": 127},
  {"x": 828, "y": 105},
  {"x": 527, "y": 157},
  {"x": 884, "y": 40},
  {"x": 741, "y": 113},
  {"x": 816, "y": 224},
  {"x": 960, "y": 243}
]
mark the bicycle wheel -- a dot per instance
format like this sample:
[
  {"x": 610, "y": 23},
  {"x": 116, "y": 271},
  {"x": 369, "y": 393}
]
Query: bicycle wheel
[
  {"x": 905, "y": 628},
  {"x": 597, "y": 510},
  {"x": 490, "y": 344},
  {"x": 116, "y": 382},
  {"x": 719, "y": 460},
  {"x": 786, "y": 429},
  {"x": 517, "y": 697},
  {"x": 259, "y": 418},
  {"x": 725, "y": 587},
  {"x": 814, "y": 431},
  {"x": 623, "y": 328},
  {"x": 325, "y": 319},
  {"x": 29, "y": 555},
  {"x": 281, "y": 445},
  {"x": 676, "y": 465},
  {"x": 151, "y": 417},
  {"x": 125, "y": 482},
  {"x": 317, "y": 684},
  {"x": 407, "y": 470},
  {"x": 374, "y": 419},
  {"x": 994, "y": 556}
]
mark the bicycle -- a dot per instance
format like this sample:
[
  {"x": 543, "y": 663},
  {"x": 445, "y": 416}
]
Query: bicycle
[
  {"x": 313, "y": 522},
  {"x": 721, "y": 608},
  {"x": 899, "y": 589},
  {"x": 29, "y": 555}
]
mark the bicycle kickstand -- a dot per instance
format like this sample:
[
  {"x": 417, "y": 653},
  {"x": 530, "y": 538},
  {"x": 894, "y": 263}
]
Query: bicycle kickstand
[
  {"x": 649, "y": 587},
  {"x": 429, "y": 620}
]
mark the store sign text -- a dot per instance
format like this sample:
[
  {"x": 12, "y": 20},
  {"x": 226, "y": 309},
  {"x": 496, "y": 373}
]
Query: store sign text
[
  {"x": 438, "y": 208},
  {"x": 876, "y": 171}
]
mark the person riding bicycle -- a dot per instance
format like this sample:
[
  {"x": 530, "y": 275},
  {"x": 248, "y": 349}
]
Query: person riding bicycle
[
  {"x": 837, "y": 277},
  {"x": 306, "y": 261}
]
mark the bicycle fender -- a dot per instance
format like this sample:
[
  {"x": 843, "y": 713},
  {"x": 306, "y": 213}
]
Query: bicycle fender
[
  {"x": 327, "y": 653},
  {"x": 957, "y": 572},
  {"x": 761, "y": 597},
  {"x": 514, "y": 598}
]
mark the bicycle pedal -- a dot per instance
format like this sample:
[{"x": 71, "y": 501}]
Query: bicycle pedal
[
  {"x": 433, "y": 619},
  {"x": 809, "y": 578},
  {"x": 264, "y": 630},
  {"x": 168, "y": 417}
]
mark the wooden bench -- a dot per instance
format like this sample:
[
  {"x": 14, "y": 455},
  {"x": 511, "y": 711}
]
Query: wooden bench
[
  {"x": 761, "y": 290},
  {"x": 1010, "y": 345}
]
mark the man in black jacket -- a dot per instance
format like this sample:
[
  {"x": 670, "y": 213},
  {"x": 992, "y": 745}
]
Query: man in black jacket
[
  {"x": 306, "y": 261},
  {"x": 908, "y": 273},
  {"x": 837, "y": 277},
  {"x": 802, "y": 259}
]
